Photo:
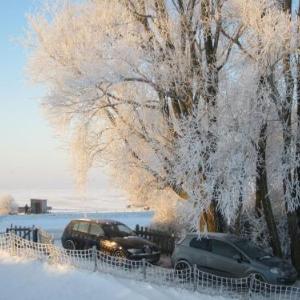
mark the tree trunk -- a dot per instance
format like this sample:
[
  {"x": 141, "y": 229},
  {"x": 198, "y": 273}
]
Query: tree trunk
[
  {"x": 293, "y": 217},
  {"x": 262, "y": 192},
  {"x": 294, "y": 233}
]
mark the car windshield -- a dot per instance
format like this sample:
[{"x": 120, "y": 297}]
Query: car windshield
[
  {"x": 117, "y": 230},
  {"x": 252, "y": 250}
]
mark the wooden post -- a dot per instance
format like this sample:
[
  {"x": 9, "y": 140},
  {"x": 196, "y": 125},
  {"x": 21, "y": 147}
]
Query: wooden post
[{"x": 35, "y": 235}]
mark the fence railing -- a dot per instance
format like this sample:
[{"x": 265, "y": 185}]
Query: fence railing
[
  {"x": 191, "y": 279},
  {"x": 165, "y": 241},
  {"x": 29, "y": 233},
  {"x": 33, "y": 233}
]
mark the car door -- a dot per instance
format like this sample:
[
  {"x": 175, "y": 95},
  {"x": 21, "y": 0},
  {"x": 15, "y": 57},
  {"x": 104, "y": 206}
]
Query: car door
[
  {"x": 81, "y": 234},
  {"x": 198, "y": 252},
  {"x": 223, "y": 260},
  {"x": 96, "y": 234}
]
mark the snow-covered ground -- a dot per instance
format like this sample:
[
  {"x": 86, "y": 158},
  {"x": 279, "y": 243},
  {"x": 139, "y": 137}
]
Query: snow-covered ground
[{"x": 52, "y": 282}]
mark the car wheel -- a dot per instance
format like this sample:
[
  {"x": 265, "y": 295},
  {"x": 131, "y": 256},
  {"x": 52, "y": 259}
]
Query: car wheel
[
  {"x": 258, "y": 276},
  {"x": 120, "y": 257},
  {"x": 120, "y": 254},
  {"x": 69, "y": 245},
  {"x": 258, "y": 283},
  {"x": 183, "y": 269}
]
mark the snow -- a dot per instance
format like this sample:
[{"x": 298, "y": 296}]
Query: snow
[
  {"x": 63, "y": 282},
  {"x": 104, "y": 198}
]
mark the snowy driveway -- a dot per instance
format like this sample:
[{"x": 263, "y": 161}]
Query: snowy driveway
[{"x": 32, "y": 280}]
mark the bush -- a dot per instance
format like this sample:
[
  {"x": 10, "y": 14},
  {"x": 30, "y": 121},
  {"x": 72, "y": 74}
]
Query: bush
[{"x": 8, "y": 205}]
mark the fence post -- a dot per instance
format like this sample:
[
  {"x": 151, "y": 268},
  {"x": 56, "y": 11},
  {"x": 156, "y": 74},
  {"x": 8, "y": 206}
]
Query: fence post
[
  {"x": 195, "y": 278},
  {"x": 144, "y": 268},
  {"x": 12, "y": 244},
  {"x": 34, "y": 234},
  {"x": 95, "y": 258},
  {"x": 251, "y": 284}
]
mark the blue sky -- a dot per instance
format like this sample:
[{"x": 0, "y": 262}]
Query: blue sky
[{"x": 30, "y": 155}]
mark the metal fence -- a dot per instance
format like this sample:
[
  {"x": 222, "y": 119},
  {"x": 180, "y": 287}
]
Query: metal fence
[{"x": 191, "y": 279}]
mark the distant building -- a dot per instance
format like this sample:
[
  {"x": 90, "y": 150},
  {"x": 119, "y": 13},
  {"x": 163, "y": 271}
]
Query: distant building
[{"x": 38, "y": 206}]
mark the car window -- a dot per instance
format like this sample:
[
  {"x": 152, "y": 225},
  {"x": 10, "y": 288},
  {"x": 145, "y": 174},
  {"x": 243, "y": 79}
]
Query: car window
[
  {"x": 75, "y": 226},
  {"x": 124, "y": 230},
  {"x": 200, "y": 243},
  {"x": 117, "y": 230},
  {"x": 251, "y": 249},
  {"x": 223, "y": 249},
  {"x": 83, "y": 227},
  {"x": 95, "y": 229}
]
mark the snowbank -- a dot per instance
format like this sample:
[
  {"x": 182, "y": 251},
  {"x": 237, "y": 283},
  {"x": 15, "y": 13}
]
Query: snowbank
[{"x": 31, "y": 280}]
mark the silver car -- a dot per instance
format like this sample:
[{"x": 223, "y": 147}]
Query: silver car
[{"x": 230, "y": 256}]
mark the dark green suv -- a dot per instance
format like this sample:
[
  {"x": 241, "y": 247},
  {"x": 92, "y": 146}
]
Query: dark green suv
[{"x": 111, "y": 237}]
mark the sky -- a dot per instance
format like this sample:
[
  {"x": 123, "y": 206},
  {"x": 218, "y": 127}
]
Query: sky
[{"x": 31, "y": 157}]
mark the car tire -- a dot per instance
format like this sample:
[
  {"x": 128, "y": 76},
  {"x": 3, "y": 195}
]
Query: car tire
[
  {"x": 119, "y": 253},
  {"x": 258, "y": 276},
  {"x": 120, "y": 258},
  {"x": 256, "y": 285},
  {"x": 183, "y": 269},
  {"x": 69, "y": 245}
]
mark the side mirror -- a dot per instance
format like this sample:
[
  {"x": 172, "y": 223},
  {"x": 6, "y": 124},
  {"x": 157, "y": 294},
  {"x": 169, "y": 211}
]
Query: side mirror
[{"x": 238, "y": 258}]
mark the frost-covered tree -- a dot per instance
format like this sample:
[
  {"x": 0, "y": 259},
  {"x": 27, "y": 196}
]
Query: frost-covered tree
[
  {"x": 190, "y": 100},
  {"x": 126, "y": 72},
  {"x": 259, "y": 118},
  {"x": 8, "y": 205}
]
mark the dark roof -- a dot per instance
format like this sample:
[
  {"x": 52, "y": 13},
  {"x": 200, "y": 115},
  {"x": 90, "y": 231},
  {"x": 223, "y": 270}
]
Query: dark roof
[
  {"x": 102, "y": 221},
  {"x": 216, "y": 235}
]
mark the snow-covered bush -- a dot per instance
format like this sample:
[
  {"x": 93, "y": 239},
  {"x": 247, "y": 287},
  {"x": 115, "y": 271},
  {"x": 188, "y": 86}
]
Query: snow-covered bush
[{"x": 8, "y": 205}]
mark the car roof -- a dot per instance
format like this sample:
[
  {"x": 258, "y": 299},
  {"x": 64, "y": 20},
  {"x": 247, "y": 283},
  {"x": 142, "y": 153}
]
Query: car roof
[
  {"x": 215, "y": 235},
  {"x": 99, "y": 221}
]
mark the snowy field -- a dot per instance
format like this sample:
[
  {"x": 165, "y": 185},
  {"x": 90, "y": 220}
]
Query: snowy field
[
  {"x": 56, "y": 222},
  {"x": 50, "y": 282},
  {"x": 105, "y": 198},
  {"x": 103, "y": 203}
]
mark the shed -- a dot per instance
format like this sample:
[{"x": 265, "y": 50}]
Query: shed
[{"x": 38, "y": 206}]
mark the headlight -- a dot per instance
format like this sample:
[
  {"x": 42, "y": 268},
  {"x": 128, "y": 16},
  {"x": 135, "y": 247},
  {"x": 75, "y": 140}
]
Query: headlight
[
  {"x": 275, "y": 271},
  {"x": 135, "y": 251},
  {"x": 108, "y": 244}
]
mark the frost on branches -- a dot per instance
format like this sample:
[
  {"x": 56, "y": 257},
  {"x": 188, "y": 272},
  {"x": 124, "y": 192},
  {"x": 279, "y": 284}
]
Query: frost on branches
[
  {"x": 8, "y": 205},
  {"x": 185, "y": 100}
]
